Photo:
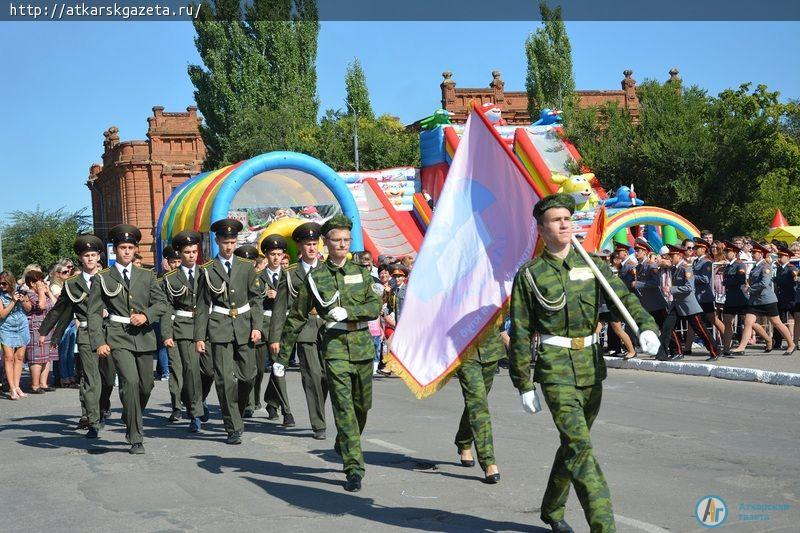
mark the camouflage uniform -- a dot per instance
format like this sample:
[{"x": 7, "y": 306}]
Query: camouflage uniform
[
  {"x": 571, "y": 378},
  {"x": 476, "y": 376},
  {"x": 346, "y": 346}
]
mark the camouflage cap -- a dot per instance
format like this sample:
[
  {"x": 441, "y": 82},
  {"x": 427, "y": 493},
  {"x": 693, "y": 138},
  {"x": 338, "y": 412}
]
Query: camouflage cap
[
  {"x": 339, "y": 221},
  {"x": 553, "y": 200}
]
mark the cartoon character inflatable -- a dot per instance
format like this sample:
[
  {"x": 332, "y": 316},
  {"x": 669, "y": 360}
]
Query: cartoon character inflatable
[
  {"x": 580, "y": 188},
  {"x": 548, "y": 116},
  {"x": 625, "y": 198}
]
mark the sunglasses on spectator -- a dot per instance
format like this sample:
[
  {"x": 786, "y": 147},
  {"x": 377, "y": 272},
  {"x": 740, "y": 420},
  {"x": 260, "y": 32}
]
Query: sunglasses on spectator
[
  {"x": 3, "y": 284},
  {"x": 65, "y": 271}
]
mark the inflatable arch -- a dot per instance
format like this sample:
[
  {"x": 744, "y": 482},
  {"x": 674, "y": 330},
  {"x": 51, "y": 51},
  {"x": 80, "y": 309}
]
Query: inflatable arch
[
  {"x": 281, "y": 177},
  {"x": 648, "y": 216}
]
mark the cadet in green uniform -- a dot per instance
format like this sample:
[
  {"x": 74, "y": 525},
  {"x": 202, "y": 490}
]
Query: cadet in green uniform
[
  {"x": 312, "y": 365},
  {"x": 173, "y": 260},
  {"x": 556, "y": 295},
  {"x": 177, "y": 328},
  {"x": 134, "y": 301},
  {"x": 342, "y": 292},
  {"x": 250, "y": 252},
  {"x": 229, "y": 315},
  {"x": 476, "y": 376},
  {"x": 72, "y": 305},
  {"x": 274, "y": 247}
]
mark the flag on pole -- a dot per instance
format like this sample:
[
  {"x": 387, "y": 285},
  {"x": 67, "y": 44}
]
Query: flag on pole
[
  {"x": 482, "y": 231},
  {"x": 594, "y": 235}
]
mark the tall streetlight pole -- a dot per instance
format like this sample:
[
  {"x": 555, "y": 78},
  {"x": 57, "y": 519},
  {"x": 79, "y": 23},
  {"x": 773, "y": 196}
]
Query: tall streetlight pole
[{"x": 355, "y": 132}]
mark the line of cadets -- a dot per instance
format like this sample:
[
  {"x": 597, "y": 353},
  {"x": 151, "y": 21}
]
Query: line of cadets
[
  {"x": 221, "y": 321},
  {"x": 671, "y": 288}
]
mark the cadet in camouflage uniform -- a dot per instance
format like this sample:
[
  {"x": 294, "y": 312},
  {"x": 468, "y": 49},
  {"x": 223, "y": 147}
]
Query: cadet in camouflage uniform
[
  {"x": 762, "y": 301},
  {"x": 312, "y": 363},
  {"x": 476, "y": 375},
  {"x": 72, "y": 305},
  {"x": 342, "y": 292},
  {"x": 134, "y": 301},
  {"x": 275, "y": 396},
  {"x": 556, "y": 295},
  {"x": 229, "y": 316},
  {"x": 177, "y": 328}
]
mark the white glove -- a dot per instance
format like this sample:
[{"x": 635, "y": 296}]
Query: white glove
[
  {"x": 530, "y": 401},
  {"x": 649, "y": 342},
  {"x": 278, "y": 370},
  {"x": 338, "y": 314}
]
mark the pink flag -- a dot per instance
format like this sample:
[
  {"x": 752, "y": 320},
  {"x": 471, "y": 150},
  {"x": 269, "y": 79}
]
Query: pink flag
[{"x": 481, "y": 232}]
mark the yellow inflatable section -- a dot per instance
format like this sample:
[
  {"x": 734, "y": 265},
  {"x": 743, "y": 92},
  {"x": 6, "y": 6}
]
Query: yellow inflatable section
[{"x": 284, "y": 227}]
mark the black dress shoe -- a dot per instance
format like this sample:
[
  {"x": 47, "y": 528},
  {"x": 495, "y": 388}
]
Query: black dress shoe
[
  {"x": 560, "y": 527},
  {"x": 492, "y": 479},
  {"x": 353, "y": 483},
  {"x": 234, "y": 438},
  {"x": 288, "y": 420},
  {"x": 92, "y": 433},
  {"x": 137, "y": 449},
  {"x": 319, "y": 434},
  {"x": 272, "y": 413},
  {"x": 175, "y": 415},
  {"x": 727, "y": 353},
  {"x": 37, "y": 391},
  {"x": 465, "y": 462},
  {"x": 51, "y": 389}
]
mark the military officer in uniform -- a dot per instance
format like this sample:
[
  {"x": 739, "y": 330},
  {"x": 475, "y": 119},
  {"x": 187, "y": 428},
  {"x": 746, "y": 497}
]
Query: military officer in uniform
[
  {"x": 557, "y": 295},
  {"x": 734, "y": 280},
  {"x": 343, "y": 294},
  {"x": 785, "y": 276},
  {"x": 312, "y": 364},
  {"x": 762, "y": 301},
  {"x": 627, "y": 269},
  {"x": 703, "y": 282},
  {"x": 476, "y": 375},
  {"x": 177, "y": 328},
  {"x": 681, "y": 296},
  {"x": 72, "y": 305},
  {"x": 275, "y": 396},
  {"x": 134, "y": 301},
  {"x": 228, "y": 315}
]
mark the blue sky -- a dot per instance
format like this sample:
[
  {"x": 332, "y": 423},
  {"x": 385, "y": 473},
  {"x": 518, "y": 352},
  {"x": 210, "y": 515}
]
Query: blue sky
[{"x": 65, "y": 83}]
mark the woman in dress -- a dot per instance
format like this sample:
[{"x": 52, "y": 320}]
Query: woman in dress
[
  {"x": 41, "y": 353},
  {"x": 14, "y": 333}
]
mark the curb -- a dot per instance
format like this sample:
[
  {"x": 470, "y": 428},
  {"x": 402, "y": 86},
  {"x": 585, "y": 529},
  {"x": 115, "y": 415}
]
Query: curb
[{"x": 701, "y": 369}]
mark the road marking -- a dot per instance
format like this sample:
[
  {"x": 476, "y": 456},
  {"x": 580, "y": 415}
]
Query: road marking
[
  {"x": 390, "y": 446},
  {"x": 644, "y": 526}
]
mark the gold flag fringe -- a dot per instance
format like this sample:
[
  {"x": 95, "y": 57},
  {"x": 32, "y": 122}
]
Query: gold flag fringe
[{"x": 394, "y": 365}]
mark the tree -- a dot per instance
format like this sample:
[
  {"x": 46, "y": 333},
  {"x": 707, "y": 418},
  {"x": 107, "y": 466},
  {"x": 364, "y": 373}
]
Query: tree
[
  {"x": 357, "y": 93},
  {"x": 41, "y": 237},
  {"x": 259, "y": 75},
  {"x": 549, "y": 82},
  {"x": 726, "y": 163}
]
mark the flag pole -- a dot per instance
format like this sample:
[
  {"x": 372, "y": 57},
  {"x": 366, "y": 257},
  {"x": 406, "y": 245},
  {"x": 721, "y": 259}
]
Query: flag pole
[{"x": 606, "y": 286}]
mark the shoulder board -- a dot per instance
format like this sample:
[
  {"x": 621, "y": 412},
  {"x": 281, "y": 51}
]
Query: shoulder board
[
  {"x": 293, "y": 266},
  {"x": 247, "y": 260},
  {"x": 104, "y": 270},
  {"x": 170, "y": 273},
  {"x": 74, "y": 276},
  {"x": 161, "y": 277},
  {"x": 207, "y": 263}
]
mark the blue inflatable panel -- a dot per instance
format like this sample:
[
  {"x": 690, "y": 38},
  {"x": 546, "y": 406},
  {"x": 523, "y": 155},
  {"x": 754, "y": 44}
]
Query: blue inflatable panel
[{"x": 431, "y": 147}]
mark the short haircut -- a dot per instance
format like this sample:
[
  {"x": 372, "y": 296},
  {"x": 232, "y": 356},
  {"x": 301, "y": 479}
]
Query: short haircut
[{"x": 33, "y": 276}]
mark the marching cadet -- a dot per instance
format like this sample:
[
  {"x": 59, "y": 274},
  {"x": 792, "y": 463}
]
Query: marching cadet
[
  {"x": 627, "y": 268},
  {"x": 557, "y": 296},
  {"x": 172, "y": 259},
  {"x": 134, "y": 301},
  {"x": 312, "y": 363},
  {"x": 250, "y": 252},
  {"x": 734, "y": 280},
  {"x": 228, "y": 314},
  {"x": 72, "y": 305},
  {"x": 342, "y": 292},
  {"x": 703, "y": 268},
  {"x": 761, "y": 301},
  {"x": 785, "y": 276},
  {"x": 186, "y": 366},
  {"x": 647, "y": 285},
  {"x": 274, "y": 248},
  {"x": 681, "y": 296}
]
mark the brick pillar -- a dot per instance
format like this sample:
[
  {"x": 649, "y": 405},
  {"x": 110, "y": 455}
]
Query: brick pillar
[
  {"x": 448, "y": 87},
  {"x": 631, "y": 99}
]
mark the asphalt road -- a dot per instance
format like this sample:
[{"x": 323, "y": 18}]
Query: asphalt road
[{"x": 664, "y": 442}]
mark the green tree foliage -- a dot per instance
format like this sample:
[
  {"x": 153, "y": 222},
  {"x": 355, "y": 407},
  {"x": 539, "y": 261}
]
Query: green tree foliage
[
  {"x": 549, "y": 81},
  {"x": 357, "y": 93},
  {"x": 41, "y": 237},
  {"x": 258, "y": 82},
  {"x": 726, "y": 163}
]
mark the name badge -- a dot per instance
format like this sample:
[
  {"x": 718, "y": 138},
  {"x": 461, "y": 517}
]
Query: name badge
[
  {"x": 353, "y": 278},
  {"x": 580, "y": 274}
]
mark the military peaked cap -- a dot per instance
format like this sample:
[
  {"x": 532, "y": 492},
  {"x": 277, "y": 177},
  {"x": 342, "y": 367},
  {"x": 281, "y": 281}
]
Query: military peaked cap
[
  {"x": 248, "y": 251},
  {"x": 124, "y": 233},
  {"x": 185, "y": 238},
  {"x": 310, "y": 231},
  {"x": 227, "y": 227},
  {"x": 273, "y": 242},
  {"x": 87, "y": 243},
  {"x": 171, "y": 253}
]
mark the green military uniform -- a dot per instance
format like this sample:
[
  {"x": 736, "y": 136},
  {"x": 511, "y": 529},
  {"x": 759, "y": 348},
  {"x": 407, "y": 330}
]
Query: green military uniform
[
  {"x": 312, "y": 364},
  {"x": 347, "y": 347},
  {"x": 476, "y": 375},
  {"x": 275, "y": 395},
  {"x": 186, "y": 364},
  {"x": 72, "y": 305},
  {"x": 176, "y": 395},
  {"x": 132, "y": 347},
  {"x": 228, "y": 310},
  {"x": 555, "y": 297}
]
